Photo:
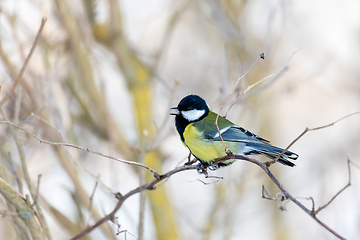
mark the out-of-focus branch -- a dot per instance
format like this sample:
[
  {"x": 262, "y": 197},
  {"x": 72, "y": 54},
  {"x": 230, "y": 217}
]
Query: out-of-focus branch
[
  {"x": 138, "y": 79},
  {"x": 95, "y": 109},
  {"x": 22, "y": 70},
  {"x": 27, "y": 179},
  {"x": 24, "y": 210}
]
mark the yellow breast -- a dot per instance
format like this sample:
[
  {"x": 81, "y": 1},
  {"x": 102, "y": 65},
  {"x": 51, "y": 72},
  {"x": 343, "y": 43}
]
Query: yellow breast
[{"x": 204, "y": 149}]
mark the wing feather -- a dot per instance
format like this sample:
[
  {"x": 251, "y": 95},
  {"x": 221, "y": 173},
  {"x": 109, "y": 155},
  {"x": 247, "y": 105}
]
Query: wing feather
[{"x": 237, "y": 134}]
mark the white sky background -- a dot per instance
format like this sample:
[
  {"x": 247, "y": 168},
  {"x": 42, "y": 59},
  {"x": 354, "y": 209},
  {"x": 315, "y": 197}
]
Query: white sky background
[{"x": 321, "y": 85}]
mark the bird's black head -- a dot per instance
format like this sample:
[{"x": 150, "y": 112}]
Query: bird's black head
[
  {"x": 192, "y": 102},
  {"x": 191, "y": 108}
]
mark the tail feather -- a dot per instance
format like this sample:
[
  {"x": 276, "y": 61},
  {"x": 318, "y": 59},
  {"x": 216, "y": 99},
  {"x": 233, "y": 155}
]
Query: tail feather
[{"x": 271, "y": 152}]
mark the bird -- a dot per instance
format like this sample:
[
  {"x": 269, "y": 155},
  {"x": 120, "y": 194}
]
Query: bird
[{"x": 205, "y": 134}]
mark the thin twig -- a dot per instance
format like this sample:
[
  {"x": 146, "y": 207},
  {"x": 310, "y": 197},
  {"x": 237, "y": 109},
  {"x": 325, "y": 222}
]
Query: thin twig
[
  {"x": 282, "y": 70},
  {"x": 92, "y": 200},
  {"x": 275, "y": 76},
  {"x": 265, "y": 167},
  {"x": 247, "y": 90},
  {"x": 121, "y": 198},
  {"x": 35, "y": 115},
  {"x": 227, "y": 150},
  {"x": 83, "y": 149},
  {"x": 22, "y": 70},
  {"x": 14, "y": 171},
  {"x": 339, "y": 192},
  {"x": 308, "y": 130},
  {"x": 240, "y": 78},
  {"x": 37, "y": 190}
]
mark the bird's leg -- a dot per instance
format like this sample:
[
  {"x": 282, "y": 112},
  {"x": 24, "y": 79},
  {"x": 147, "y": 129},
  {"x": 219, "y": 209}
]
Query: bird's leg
[
  {"x": 202, "y": 169},
  {"x": 190, "y": 162},
  {"x": 199, "y": 168}
]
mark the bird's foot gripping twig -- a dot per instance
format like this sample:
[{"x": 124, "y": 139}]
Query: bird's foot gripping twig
[
  {"x": 201, "y": 168},
  {"x": 213, "y": 166}
]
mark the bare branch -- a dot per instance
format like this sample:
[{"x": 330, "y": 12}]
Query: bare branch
[
  {"x": 266, "y": 195},
  {"x": 22, "y": 70},
  {"x": 91, "y": 201},
  {"x": 252, "y": 66},
  {"x": 227, "y": 150},
  {"x": 278, "y": 74},
  {"x": 121, "y": 198},
  {"x": 203, "y": 182},
  {"x": 265, "y": 167},
  {"x": 35, "y": 115},
  {"x": 339, "y": 192},
  {"x": 14, "y": 171},
  {"x": 248, "y": 89},
  {"x": 274, "y": 77},
  {"x": 308, "y": 130},
  {"x": 37, "y": 190},
  {"x": 83, "y": 149}
]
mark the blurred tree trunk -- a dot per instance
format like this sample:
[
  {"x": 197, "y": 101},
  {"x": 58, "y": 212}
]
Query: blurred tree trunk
[{"x": 138, "y": 79}]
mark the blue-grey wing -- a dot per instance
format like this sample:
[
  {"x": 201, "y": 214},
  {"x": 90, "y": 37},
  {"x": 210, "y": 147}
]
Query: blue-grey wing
[
  {"x": 237, "y": 134},
  {"x": 252, "y": 144}
]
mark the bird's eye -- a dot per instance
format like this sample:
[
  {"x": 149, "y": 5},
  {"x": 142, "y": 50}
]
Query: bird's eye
[{"x": 188, "y": 108}]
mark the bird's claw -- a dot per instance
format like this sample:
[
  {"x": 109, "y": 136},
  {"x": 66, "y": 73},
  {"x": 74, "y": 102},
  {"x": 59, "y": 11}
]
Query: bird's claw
[
  {"x": 213, "y": 166},
  {"x": 200, "y": 168}
]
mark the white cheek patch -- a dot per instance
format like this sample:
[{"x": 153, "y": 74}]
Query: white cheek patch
[{"x": 193, "y": 115}]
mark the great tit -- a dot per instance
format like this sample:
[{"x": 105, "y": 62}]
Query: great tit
[{"x": 195, "y": 123}]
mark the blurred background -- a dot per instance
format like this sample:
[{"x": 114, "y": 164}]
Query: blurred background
[{"x": 104, "y": 75}]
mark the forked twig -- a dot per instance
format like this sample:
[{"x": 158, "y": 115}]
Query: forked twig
[{"x": 337, "y": 194}]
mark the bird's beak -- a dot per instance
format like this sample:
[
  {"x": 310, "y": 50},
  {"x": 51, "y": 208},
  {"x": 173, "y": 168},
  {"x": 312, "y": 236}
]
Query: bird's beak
[{"x": 174, "y": 111}]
